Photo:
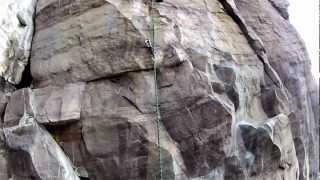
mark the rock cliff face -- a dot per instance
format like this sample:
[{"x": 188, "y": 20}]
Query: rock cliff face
[{"x": 236, "y": 95}]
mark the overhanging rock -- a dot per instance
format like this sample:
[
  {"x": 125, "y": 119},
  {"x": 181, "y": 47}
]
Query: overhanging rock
[
  {"x": 48, "y": 159},
  {"x": 50, "y": 105},
  {"x": 268, "y": 147},
  {"x": 55, "y": 105}
]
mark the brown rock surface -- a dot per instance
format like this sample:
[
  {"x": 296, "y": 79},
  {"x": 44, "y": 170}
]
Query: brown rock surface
[{"x": 237, "y": 99}]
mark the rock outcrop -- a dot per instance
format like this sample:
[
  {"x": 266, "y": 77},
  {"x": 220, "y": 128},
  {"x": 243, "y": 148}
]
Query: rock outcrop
[
  {"x": 47, "y": 158},
  {"x": 236, "y": 95},
  {"x": 16, "y": 32}
]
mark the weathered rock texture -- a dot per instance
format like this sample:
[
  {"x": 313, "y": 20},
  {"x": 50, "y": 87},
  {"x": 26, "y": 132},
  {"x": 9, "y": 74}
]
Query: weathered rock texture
[
  {"x": 47, "y": 158},
  {"x": 16, "y": 31},
  {"x": 237, "y": 99}
]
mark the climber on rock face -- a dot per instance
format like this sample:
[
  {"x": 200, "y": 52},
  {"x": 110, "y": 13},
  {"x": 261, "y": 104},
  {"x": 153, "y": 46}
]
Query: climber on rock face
[{"x": 149, "y": 46}]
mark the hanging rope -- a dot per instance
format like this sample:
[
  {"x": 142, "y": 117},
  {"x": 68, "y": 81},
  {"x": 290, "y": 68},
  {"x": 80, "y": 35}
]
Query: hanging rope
[{"x": 150, "y": 44}]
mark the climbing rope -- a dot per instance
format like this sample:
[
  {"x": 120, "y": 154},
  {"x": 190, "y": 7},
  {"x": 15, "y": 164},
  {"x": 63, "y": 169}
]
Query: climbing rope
[{"x": 150, "y": 44}]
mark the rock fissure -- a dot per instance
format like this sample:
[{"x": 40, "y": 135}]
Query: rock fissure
[
  {"x": 253, "y": 40},
  {"x": 86, "y": 107}
]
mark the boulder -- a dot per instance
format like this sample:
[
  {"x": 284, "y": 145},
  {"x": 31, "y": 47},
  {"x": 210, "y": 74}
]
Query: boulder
[{"x": 47, "y": 158}]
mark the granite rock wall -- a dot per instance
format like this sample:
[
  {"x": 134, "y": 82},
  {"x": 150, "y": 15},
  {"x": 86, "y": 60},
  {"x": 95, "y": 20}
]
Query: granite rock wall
[{"x": 236, "y": 94}]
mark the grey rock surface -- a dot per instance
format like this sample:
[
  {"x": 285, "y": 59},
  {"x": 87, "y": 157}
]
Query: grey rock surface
[
  {"x": 57, "y": 104},
  {"x": 237, "y": 99},
  {"x": 49, "y": 106},
  {"x": 46, "y": 156},
  {"x": 282, "y": 7},
  {"x": 270, "y": 148},
  {"x": 288, "y": 56},
  {"x": 110, "y": 44}
]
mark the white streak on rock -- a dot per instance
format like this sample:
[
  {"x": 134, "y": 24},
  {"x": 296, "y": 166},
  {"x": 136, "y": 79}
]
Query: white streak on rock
[{"x": 16, "y": 32}]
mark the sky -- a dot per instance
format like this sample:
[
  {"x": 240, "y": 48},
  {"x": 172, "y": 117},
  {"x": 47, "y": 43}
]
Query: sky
[{"x": 304, "y": 15}]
